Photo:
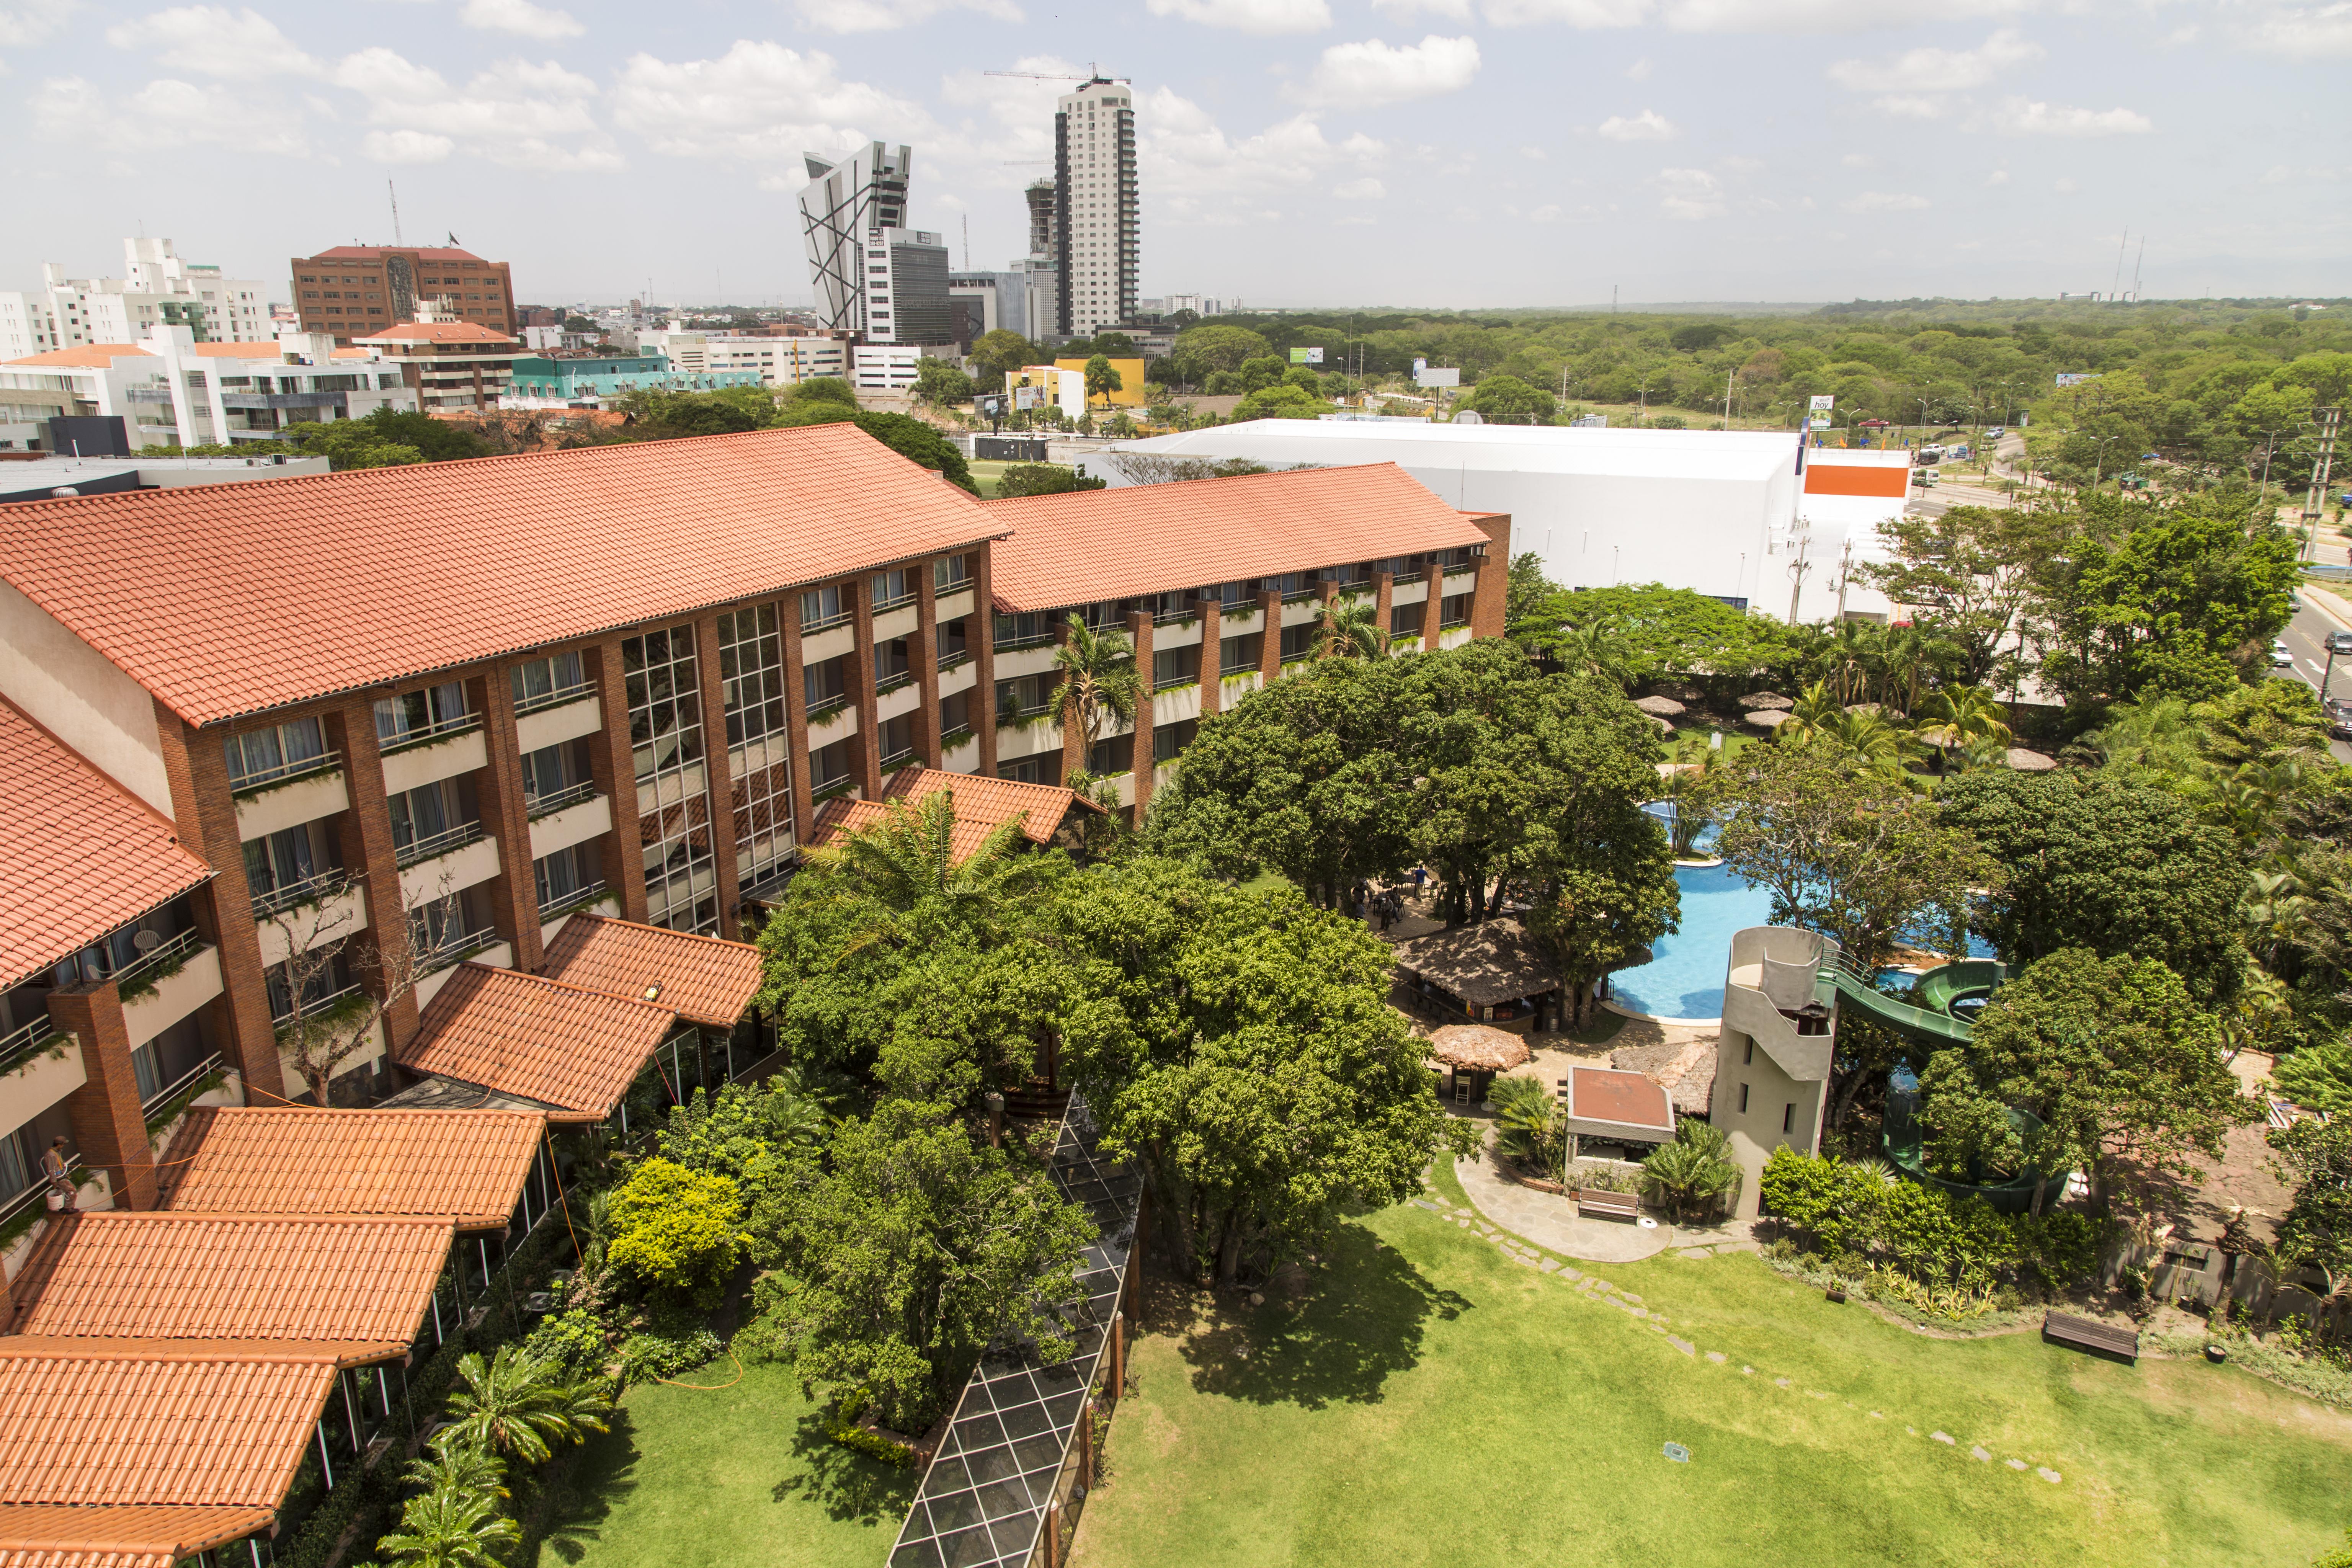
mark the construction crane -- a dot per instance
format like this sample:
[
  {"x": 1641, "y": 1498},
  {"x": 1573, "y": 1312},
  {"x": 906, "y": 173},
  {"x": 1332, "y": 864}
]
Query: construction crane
[{"x": 1093, "y": 73}]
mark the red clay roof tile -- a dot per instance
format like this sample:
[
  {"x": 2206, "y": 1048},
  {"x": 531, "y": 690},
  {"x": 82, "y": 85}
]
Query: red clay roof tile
[
  {"x": 1087, "y": 545},
  {"x": 174, "y": 1275},
  {"x": 538, "y": 1039},
  {"x": 468, "y": 1166},
  {"x": 77, "y": 856},
  {"x": 133, "y": 1535},
  {"x": 85, "y": 356},
  {"x": 704, "y": 979},
  {"x": 283, "y": 590},
  {"x": 982, "y": 805},
  {"x": 228, "y": 1428}
]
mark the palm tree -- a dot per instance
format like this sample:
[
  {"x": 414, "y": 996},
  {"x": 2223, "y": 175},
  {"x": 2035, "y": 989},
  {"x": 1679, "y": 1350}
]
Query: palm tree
[
  {"x": 1847, "y": 658},
  {"x": 1529, "y": 1125},
  {"x": 1599, "y": 648},
  {"x": 1958, "y": 717},
  {"x": 519, "y": 1405},
  {"x": 457, "y": 1467},
  {"x": 1820, "y": 706},
  {"x": 1905, "y": 654},
  {"x": 1349, "y": 629},
  {"x": 1690, "y": 788},
  {"x": 447, "y": 1529},
  {"x": 1695, "y": 1170},
  {"x": 1099, "y": 680},
  {"x": 909, "y": 858},
  {"x": 1879, "y": 744}
]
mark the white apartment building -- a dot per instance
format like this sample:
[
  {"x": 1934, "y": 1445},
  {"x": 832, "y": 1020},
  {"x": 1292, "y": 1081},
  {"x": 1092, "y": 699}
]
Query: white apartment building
[
  {"x": 886, "y": 367},
  {"x": 847, "y": 202},
  {"x": 1096, "y": 236},
  {"x": 171, "y": 390},
  {"x": 158, "y": 289},
  {"x": 780, "y": 361}
]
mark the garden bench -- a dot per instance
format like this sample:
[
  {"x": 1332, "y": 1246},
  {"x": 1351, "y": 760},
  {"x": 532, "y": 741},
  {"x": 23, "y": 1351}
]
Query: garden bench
[
  {"x": 2090, "y": 1334},
  {"x": 1613, "y": 1205}
]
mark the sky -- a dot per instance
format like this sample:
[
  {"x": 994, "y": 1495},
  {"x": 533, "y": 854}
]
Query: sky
[{"x": 1427, "y": 154}]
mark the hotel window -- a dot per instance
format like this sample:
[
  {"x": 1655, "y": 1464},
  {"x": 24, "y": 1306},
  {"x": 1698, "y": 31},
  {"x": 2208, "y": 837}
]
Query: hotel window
[
  {"x": 280, "y": 867},
  {"x": 1032, "y": 770},
  {"x": 822, "y": 607},
  {"x": 1297, "y": 642},
  {"x": 1168, "y": 740},
  {"x": 892, "y": 589},
  {"x": 825, "y": 685},
  {"x": 279, "y": 752},
  {"x": 949, "y": 573},
  {"x": 1116, "y": 756},
  {"x": 829, "y": 766},
  {"x": 1175, "y": 666},
  {"x": 562, "y": 875},
  {"x": 1238, "y": 656},
  {"x": 422, "y": 714},
  {"x": 751, "y": 671},
  {"x": 545, "y": 682},
  {"x": 433, "y": 819},
  {"x": 556, "y": 777},
  {"x": 1404, "y": 620},
  {"x": 663, "y": 681},
  {"x": 1454, "y": 611}
]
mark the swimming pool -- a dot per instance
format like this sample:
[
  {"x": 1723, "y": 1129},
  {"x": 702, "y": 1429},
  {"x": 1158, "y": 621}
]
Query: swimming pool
[{"x": 1684, "y": 979}]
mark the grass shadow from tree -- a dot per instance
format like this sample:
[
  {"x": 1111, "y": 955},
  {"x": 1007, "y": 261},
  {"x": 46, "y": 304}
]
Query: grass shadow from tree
[
  {"x": 581, "y": 1495},
  {"x": 850, "y": 1487}
]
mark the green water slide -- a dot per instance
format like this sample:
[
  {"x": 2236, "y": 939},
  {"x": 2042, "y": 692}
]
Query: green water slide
[{"x": 1942, "y": 999}]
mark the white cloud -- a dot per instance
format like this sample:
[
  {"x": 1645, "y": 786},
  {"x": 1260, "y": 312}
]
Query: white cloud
[
  {"x": 1690, "y": 194},
  {"x": 1372, "y": 74},
  {"x": 1406, "y": 10},
  {"x": 1204, "y": 175},
  {"x": 2277, "y": 175},
  {"x": 1364, "y": 190},
  {"x": 1884, "y": 202},
  {"x": 1639, "y": 69},
  {"x": 757, "y": 103},
  {"x": 1859, "y": 160},
  {"x": 1937, "y": 70},
  {"x": 1909, "y": 106},
  {"x": 68, "y": 108},
  {"x": 1998, "y": 177},
  {"x": 512, "y": 114},
  {"x": 1260, "y": 18},
  {"x": 405, "y": 147},
  {"x": 25, "y": 23},
  {"x": 2064, "y": 187},
  {"x": 1647, "y": 126},
  {"x": 165, "y": 112},
  {"x": 887, "y": 15},
  {"x": 1580, "y": 14},
  {"x": 1817, "y": 15},
  {"x": 522, "y": 18},
  {"x": 1544, "y": 214},
  {"x": 2301, "y": 33},
  {"x": 2024, "y": 117},
  {"x": 212, "y": 40}
]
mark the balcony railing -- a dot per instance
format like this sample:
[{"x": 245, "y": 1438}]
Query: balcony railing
[
  {"x": 316, "y": 1009},
  {"x": 1466, "y": 568},
  {"x": 181, "y": 1087},
  {"x": 955, "y": 737},
  {"x": 285, "y": 773},
  {"x": 140, "y": 972},
  {"x": 553, "y": 801},
  {"x": 826, "y": 623},
  {"x": 884, "y": 607},
  {"x": 1406, "y": 579},
  {"x": 20, "y": 1045},
  {"x": 827, "y": 708},
  {"x": 458, "y": 949},
  {"x": 1170, "y": 617},
  {"x": 1298, "y": 596},
  {"x": 955, "y": 660},
  {"x": 1015, "y": 645},
  {"x": 440, "y": 843},
  {"x": 555, "y": 699},
  {"x": 828, "y": 791},
  {"x": 309, "y": 890},
  {"x": 1169, "y": 683},
  {"x": 903, "y": 757},
  {"x": 884, "y": 685},
  {"x": 564, "y": 903},
  {"x": 430, "y": 734}
]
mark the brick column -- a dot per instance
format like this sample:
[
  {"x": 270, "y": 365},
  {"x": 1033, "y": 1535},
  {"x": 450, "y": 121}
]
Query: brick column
[
  {"x": 1383, "y": 598},
  {"x": 862, "y": 663},
  {"x": 1269, "y": 648},
  {"x": 981, "y": 638},
  {"x": 719, "y": 769},
  {"x": 506, "y": 814},
  {"x": 1139, "y": 629},
  {"x": 796, "y": 727},
  {"x": 926, "y": 659},
  {"x": 1212, "y": 657},
  {"x": 1489, "y": 601},
  {"x": 613, "y": 764},
  {"x": 369, "y": 857},
  {"x": 203, "y": 808},
  {"x": 107, "y": 1124}
]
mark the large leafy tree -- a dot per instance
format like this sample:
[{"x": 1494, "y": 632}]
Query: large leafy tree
[
  {"x": 1241, "y": 1045},
  {"x": 1507, "y": 400},
  {"x": 1201, "y": 350},
  {"x": 1847, "y": 850},
  {"x": 917, "y": 1248},
  {"x": 2106, "y": 862},
  {"x": 2316, "y": 1230},
  {"x": 1969, "y": 571},
  {"x": 2121, "y": 1064},
  {"x": 1664, "y": 631},
  {"x": 998, "y": 353}
]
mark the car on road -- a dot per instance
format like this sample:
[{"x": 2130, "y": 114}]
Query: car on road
[
  {"x": 2282, "y": 657},
  {"x": 2339, "y": 642},
  {"x": 1994, "y": 432}
]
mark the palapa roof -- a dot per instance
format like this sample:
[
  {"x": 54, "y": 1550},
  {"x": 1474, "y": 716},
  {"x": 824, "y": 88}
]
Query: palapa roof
[
  {"x": 2028, "y": 762},
  {"x": 564, "y": 1047},
  {"x": 1479, "y": 1046},
  {"x": 122, "y": 1535},
  {"x": 173, "y": 1275},
  {"x": 1768, "y": 718},
  {"x": 1765, "y": 699},
  {"x": 1493, "y": 961},
  {"x": 467, "y": 1165},
  {"x": 1686, "y": 1071},
  {"x": 704, "y": 980},
  {"x": 982, "y": 805},
  {"x": 1661, "y": 707}
]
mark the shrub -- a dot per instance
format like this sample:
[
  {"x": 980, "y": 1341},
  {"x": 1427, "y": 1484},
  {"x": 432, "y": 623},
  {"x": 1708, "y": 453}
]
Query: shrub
[
  {"x": 678, "y": 1230},
  {"x": 653, "y": 1355},
  {"x": 841, "y": 1426}
]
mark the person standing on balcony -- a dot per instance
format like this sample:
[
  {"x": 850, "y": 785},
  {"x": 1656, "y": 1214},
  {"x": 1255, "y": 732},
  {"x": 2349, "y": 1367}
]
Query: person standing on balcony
[{"x": 56, "y": 1173}]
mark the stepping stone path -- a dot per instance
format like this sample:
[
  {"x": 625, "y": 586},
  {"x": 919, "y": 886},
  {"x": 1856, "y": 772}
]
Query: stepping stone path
[
  {"x": 2047, "y": 1474},
  {"x": 1943, "y": 1438},
  {"x": 1980, "y": 1454},
  {"x": 1682, "y": 1345},
  {"x": 2016, "y": 1464},
  {"x": 1718, "y": 1357}
]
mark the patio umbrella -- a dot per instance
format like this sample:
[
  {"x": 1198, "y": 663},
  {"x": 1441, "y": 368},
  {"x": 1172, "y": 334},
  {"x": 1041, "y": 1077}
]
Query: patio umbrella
[
  {"x": 2027, "y": 762},
  {"x": 1768, "y": 718},
  {"x": 1479, "y": 1048},
  {"x": 1666, "y": 724},
  {"x": 1765, "y": 699},
  {"x": 1661, "y": 707}
]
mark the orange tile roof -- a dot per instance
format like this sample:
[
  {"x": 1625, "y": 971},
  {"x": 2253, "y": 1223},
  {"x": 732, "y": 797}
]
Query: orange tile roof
[
  {"x": 1087, "y": 545},
  {"x": 175, "y": 1275},
  {"x": 86, "y": 356},
  {"x": 541, "y": 1039},
  {"x": 436, "y": 333},
  {"x": 77, "y": 856},
  {"x": 982, "y": 805},
  {"x": 118, "y": 1421},
  {"x": 283, "y": 590},
  {"x": 703, "y": 979},
  {"x": 128, "y": 1535},
  {"x": 422, "y": 252},
  {"x": 468, "y": 1166}
]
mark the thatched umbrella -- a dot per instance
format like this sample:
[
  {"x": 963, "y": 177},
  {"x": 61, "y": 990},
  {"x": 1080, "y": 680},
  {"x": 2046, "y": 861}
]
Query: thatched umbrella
[
  {"x": 1666, "y": 724},
  {"x": 1661, "y": 707},
  {"x": 2027, "y": 762},
  {"x": 1768, "y": 718},
  {"x": 1765, "y": 699},
  {"x": 1477, "y": 1048}
]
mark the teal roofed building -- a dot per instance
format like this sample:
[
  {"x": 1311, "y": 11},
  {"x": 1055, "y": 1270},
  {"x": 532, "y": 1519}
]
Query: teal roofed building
[{"x": 594, "y": 380}]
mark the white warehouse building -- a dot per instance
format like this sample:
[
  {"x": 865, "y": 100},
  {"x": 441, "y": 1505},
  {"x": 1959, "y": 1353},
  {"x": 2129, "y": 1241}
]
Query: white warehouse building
[{"x": 1723, "y": 513}]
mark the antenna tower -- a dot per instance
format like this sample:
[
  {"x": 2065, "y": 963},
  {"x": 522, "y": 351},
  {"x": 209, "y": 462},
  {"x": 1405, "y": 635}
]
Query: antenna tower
[{"x": 394, "y": 191}]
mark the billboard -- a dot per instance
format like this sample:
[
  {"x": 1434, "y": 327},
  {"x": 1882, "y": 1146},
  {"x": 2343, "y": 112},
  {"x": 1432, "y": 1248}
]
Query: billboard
[
  {"x": 1437, "y": 377},
  {"x": 1823, "y": 405},
  {"x": 2076, "y": 377},
  {"x": 1307, "y": 356}
]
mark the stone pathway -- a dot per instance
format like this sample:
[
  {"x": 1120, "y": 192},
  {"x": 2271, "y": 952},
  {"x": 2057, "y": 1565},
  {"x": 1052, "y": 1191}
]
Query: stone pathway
[{"x": 1522, "y": 1223}]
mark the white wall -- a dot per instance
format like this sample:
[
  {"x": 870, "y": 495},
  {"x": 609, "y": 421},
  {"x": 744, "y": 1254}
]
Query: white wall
[{"x": 72, "y": 690}]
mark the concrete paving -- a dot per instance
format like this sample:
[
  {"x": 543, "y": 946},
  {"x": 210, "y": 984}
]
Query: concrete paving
[{"x": 1551, "y": 1221}]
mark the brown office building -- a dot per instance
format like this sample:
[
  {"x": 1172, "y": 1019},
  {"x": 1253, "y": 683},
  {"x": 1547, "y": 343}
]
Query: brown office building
[{"x": 354, "y": 290}]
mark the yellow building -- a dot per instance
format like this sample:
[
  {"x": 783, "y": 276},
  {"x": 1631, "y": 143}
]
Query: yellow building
[{"x": 1130, "y": 380}]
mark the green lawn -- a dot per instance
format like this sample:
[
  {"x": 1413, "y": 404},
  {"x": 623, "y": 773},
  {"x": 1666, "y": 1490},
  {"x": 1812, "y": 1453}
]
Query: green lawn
[
  {"x": 985, "y": 475},
  {"x": 688, "y": 1479},
  {"x": 1737, "y": 738},
  {"x": 1436, "y": 1403}
]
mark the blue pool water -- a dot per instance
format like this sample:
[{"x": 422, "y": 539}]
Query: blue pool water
[{"x": 1683, "y": 978}]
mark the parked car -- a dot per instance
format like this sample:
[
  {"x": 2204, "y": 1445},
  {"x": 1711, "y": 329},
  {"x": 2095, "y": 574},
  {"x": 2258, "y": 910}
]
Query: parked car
[
  {"x": 2339, "y": 718},
  {"x": 2339, "y": 642},
  {"x": 2281, "y": 657}
]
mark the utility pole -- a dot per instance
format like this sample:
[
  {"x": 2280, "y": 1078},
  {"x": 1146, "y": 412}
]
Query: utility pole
[
  {"x": 2329, "y": 418},
  {"x": 1726, "y": 398}
]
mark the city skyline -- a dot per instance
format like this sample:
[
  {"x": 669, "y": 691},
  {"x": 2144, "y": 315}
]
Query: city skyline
[{"x": 1722, "y": 149}]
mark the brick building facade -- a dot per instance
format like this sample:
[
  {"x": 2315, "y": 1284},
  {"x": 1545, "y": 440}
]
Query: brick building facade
[{"x": 352, "y": 290}]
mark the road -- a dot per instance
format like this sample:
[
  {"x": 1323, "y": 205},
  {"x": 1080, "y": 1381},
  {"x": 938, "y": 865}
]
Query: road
[{"x": 2306, "y": 639}]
